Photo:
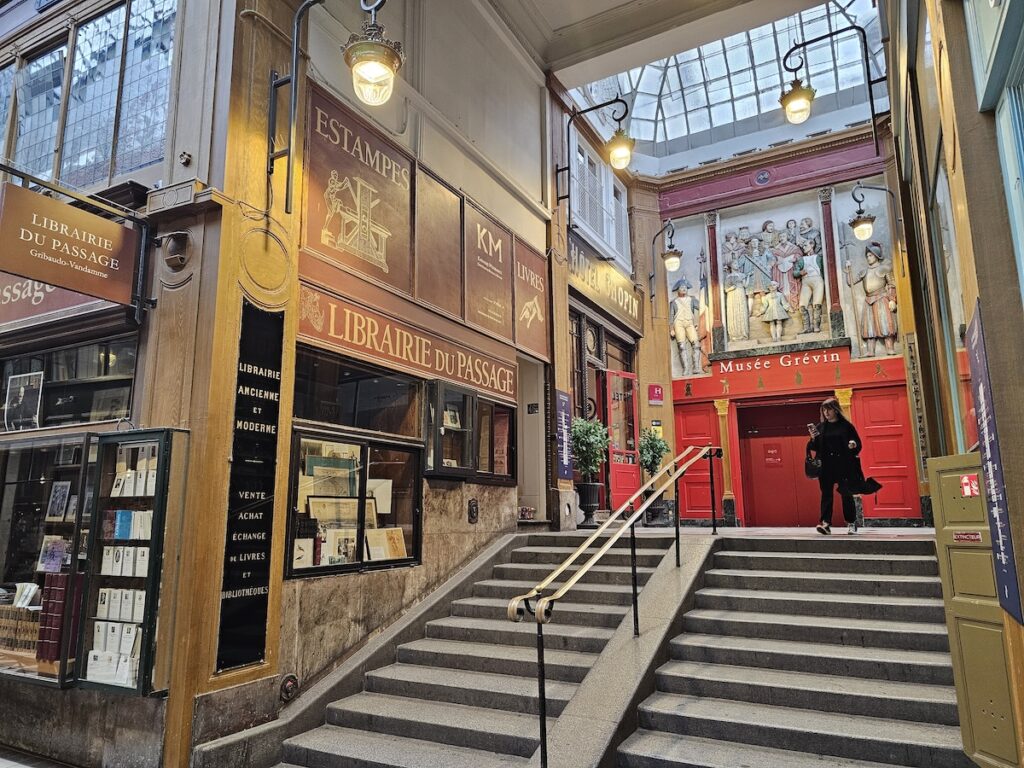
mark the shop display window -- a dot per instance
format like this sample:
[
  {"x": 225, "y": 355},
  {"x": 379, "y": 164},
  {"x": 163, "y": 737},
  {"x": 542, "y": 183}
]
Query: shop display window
[
  {"x": 356, "y": 504},
  {"x": 468, "y": 437},
  {"x": 495, "y": 440},
  {"x": 331, "y": 389},
  {"x": 45, "y": 516},
  {"x": 74, "y": 385}
]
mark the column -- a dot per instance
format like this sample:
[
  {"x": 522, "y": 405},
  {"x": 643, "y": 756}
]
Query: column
[
  {"x": 728, "y": 496},
  {"x": 832, "y": 263},
  {"x": 717, "y": 329},
  {"x": 845, "y": 398}
]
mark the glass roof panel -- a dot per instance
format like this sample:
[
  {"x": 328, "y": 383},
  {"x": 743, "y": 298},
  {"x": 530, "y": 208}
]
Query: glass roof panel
[{"x": 740, "y": 77}]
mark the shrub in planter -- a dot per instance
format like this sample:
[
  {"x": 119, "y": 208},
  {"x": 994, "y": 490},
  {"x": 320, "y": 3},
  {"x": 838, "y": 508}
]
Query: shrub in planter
[
  {"x": 652, "y": 450},
  {"x": 589, "y": 442}
]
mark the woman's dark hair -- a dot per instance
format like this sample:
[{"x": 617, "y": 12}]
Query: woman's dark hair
[{"x": 832, "y": 403}]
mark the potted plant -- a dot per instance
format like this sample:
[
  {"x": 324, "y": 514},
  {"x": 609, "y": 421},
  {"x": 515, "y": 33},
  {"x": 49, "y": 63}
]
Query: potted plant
[
  {"x": 652, "y": 450},
  {"x": 589, "y": 442}
]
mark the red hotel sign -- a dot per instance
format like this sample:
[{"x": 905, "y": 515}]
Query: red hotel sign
[
  {"x": 57, "y": 244},
  {"x": 372, "y": 336}
]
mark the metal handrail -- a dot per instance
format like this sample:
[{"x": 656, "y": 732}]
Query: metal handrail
[{"x": 515, "y": 610}]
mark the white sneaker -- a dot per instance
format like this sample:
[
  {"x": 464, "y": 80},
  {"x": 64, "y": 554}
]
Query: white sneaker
[{"x": 851, "y": 528}]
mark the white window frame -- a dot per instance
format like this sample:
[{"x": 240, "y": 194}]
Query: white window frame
[{"x": 610, "y": 234}]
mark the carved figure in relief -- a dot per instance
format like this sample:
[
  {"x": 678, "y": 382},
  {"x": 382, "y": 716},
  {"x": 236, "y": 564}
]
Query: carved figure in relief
[
  {"x": 684, "y": 314},
  {"x": 786, "y": 255},
  {"x": 769, "y": 237},
  {"x": 810, "y": 270},
  {"x": 792, "y": 230},
  {"x": 878, "y": 314},
  {"x": 358, "y": 232},
  {"x": 809, "y": 232},
  {"x": 775, "y": 310},
  {"x": 760, "y": 272},
  {"x": 737, "y": 310}
]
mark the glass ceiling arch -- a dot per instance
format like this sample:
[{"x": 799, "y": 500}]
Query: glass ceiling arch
[{"x": 736, "y": 81}]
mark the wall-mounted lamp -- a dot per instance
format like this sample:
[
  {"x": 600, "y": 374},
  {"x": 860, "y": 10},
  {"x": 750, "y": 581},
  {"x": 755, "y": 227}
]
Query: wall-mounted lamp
[
  {"x": 796, "y": 100},
  {"x": 619, "y": 146},
  {"x": 671, "y": 256},
  {"x": 862, "y": 223},
  {"x": 374, "y": 61}
]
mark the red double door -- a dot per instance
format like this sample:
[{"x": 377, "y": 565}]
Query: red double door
[{"x": 617, "y": 410}]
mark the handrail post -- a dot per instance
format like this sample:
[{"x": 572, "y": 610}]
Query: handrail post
[
  {"x": 714, "y": 502},
  {"x": 542, "y": 697},
  {"x": 676, "y": 515},
  {"x": 632, "y": 557}
]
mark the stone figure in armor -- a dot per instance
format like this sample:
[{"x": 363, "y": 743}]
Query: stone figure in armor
[
  {"x": 878, "y": 312},
  {"x": 810, "y": 270},
  {"x": 684, "y": 315},
  {"x": 760, "y": 274},
  {"x": 737, "y": 310}
]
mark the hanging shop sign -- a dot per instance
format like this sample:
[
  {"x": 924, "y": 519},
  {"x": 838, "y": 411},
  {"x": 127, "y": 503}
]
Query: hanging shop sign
[
  {"x": 60, "y": 245},
  {"x": 992, "y": 471},
  {"x": 563, "y": 420},
  {"x": 604, "y": 284},
  {"x": 329, "y": 321},
  {"x": 531, "y": 269},
  {"x": 488, "y": 274},
  {"x": 358, "y": 195},
  {"x": 245, "y": 589}
]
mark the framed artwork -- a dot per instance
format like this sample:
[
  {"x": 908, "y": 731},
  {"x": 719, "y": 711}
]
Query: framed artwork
[
  {"x": 302, "y": 553},
  {"x": 24, "y": 394},
  {"x": 340, "y": 547},
  {"x": 379, "y": 491},
  {"x": 58, "y": 504},
  {"x": 337, "y": 510},
  {"x": 69, "y": 516},
  {"x": 452, "y": 419},
  {"x": 109, "y": 404},
  {"x": 52, "y": 554},
  {"x": 68, "y": 452}
]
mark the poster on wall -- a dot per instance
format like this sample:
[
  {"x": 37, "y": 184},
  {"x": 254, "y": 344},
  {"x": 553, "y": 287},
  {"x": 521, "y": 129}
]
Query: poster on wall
[
  {"x": 531, "y": 300},
  {"x": 358, "y": 195},
  {"x": 689, "y": 300},
  {"x": 21, "y": 406},
  {"x": 867, "y": 283},
  {"x": 563, "y": 419},
  {"x": 488, "y": 273}
]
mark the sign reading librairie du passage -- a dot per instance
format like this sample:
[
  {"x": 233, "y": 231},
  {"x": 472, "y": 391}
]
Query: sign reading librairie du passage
[
  {"x": 992, "y": 470},
  {"x": 245, "y": 588},
  {"x": 57, "y": 244}
]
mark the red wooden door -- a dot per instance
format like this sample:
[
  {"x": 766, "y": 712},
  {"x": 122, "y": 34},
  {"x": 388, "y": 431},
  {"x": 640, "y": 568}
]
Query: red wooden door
[
  {"x": 773, "y": 442},
  {"x": 697, "y": 425},
  {"x": 623, "y": 446},
  {"x": 882, "y": 417}
]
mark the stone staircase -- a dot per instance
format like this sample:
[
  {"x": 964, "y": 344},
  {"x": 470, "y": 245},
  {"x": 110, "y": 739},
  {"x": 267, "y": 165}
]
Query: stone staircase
[
  {"x": 465, "y": 695},
  {"x": 807, "y": 653}
]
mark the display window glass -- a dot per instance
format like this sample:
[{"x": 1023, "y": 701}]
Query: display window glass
[
  {"x": 356, "y": 504},
  {"x": 335, "y": 390},
  {"x": 494, "y": 439},
  {"x": 45, "y": 515},
  {"x": 75, "y": 385}
]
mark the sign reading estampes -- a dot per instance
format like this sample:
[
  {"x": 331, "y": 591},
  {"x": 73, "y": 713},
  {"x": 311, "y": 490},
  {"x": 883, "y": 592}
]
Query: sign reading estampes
[{"x": 60, "y": 245}]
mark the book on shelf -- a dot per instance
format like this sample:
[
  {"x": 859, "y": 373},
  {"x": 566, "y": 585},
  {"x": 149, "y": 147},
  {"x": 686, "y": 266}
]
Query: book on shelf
[
  {"x": 127, "y": 604},
  {"x": 123, "y": 519},
  {"x": 151, "y": 476},
  {"x": 141, "y": 561},
  {"x": 114, "y": 604}
]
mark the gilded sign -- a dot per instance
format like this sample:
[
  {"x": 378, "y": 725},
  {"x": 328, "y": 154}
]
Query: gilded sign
[
  {"x": 603, "y": 283},
  {"x": 373, "y": 336},
  {"x": 488, "y": 274},
  {"x": 532, "y": 310},
  {"x": 56, "y": 244}
]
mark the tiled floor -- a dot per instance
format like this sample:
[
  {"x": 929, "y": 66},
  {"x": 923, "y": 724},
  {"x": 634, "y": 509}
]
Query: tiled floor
[{"x": 9, "y": 759}]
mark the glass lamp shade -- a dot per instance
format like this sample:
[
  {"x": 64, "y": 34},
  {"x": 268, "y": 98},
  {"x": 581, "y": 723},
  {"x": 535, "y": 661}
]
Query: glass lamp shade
[
  {"x": 672, "y": 258},
  {"x": 374, "y": 62},
  {"x": 796, "y": 102},
  {"x": 863, "y": 225},
  {"x": 620, "y": 149}
]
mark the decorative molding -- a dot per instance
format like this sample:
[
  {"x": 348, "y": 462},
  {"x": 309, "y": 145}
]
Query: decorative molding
[
  {"x": 845, "y": 398},
  {"x": 825, "y": 194},
  {"x": 722, "y": 407},
  {"x": 711, "y": 218}
]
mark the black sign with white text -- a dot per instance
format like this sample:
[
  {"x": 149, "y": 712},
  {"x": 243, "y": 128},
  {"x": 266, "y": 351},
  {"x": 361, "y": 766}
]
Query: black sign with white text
[{"x": 245, "y": 589}]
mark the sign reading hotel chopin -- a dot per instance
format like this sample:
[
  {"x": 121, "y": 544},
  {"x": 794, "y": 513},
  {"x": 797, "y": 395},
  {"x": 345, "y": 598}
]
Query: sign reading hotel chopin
[
  {"x": 358, "y": 195},
  {"x": 336, "y": 323},
  {"x": 603, "y": 283},
  {"x": 50, "y": 242}
]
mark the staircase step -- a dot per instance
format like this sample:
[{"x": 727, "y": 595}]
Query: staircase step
[
  {"x": 558, "y": 637},
  {"x": 838, "y": 583},
  {"x": 908, "y": 609},
  {"x": 913, "y": 666},
  {"x": 819, "y": 629},
  {"x": 554, "y": 556},
  {"x": 654, "y": 749},
  {"x": 456, "y": 724},
  {"x": 807, "y": 690},
  {"x": 599, "y": 574},
  {"x": 567, "y": 666},
  {"x": 604, "y": 594},
  {"x": 867, "y": 544},
  {"x": 330, "y": 746},
  {"x": 475, "y": 689},
  {"x": 572, "y": 540},
  {"x": 609, "y": 616},
  {"x": 830, "y": 562},
  {"x": 920, "y": 745}
]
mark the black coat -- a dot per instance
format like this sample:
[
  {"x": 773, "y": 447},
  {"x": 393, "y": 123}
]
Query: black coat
[{"x": 838, "y": 460}]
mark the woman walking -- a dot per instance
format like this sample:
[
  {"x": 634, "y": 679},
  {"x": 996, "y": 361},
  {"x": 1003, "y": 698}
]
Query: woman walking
[{"x": 836, "y": 445}]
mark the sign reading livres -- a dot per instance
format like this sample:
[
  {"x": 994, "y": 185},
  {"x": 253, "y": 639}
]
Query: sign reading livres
[
  {"x": 358, "y": 195},
  {"x": 327, "y": 320},
  {"x": 245, "y": 589},
  {"x": 608, "y": 287},
  {"x": 488, "y": 274},
  {"x": 56, "y": 244},
  {"x": 531, "y": 273}
]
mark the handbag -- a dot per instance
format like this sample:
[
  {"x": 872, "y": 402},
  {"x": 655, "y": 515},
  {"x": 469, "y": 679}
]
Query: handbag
[{"x": 812, "y": 467}]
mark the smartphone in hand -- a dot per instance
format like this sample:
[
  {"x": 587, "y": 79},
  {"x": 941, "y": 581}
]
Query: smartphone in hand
[{"x": 812, "y": 429}]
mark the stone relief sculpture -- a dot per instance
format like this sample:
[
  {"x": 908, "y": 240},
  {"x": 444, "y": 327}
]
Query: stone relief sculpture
[
  {"x": 876, "y": 310},
  {"x": 809, "y": 270},
  {"x": 690, "y": 309},
  {"x": 737, "y": 309},
  {"x": 684, "y": 317}
]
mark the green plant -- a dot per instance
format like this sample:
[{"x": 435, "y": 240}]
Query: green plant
[
  {"x": 589, "y": 441},
  {"x": 652, "y": 450}
]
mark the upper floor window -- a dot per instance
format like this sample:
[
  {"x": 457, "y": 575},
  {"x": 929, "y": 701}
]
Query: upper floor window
[
  {"x": 599, "y": 206},
  {"x": 94, "y": 106}
]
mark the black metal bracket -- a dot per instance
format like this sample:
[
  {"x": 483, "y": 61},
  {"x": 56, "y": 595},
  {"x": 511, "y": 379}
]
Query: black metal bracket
[
  {"x": 670, "y": 230},
  {"x": 796, "y": 53}
]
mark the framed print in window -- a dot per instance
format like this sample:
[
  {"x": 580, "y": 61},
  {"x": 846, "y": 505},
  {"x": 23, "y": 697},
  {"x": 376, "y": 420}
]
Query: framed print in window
[
  {"x": 334, "y": 510},
  {"x": 57, "y": 506}
]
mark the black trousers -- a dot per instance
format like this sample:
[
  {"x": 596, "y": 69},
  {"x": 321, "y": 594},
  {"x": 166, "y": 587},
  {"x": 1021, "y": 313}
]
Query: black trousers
[{"x": 827, "y": 481}]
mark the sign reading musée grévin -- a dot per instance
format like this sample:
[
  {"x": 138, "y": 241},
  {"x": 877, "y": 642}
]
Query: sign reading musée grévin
[
  {"x": 531, "y": 270},
  {"x": 488, "y": 273},
  {"x": 358, "y": 195},
  {"x": 245, "y": 589},
  {"x": 59, "y": 245},
  {"x": 333, "y": 322},
  {"x": 603, "y": 283}
]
